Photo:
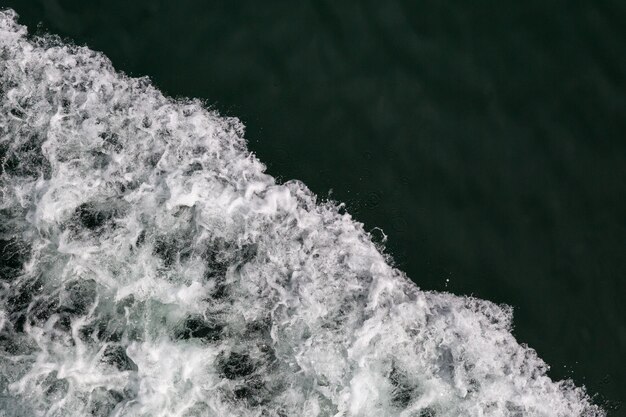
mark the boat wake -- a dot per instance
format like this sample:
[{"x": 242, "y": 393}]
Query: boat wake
[{"x": 149, "y": 267}]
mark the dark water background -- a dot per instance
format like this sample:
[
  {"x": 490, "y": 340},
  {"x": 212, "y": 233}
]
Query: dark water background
[{"x": 487, "y": 139}]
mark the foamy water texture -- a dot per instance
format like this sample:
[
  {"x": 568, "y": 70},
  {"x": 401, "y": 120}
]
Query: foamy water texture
[{"x": 151, "y": 268}]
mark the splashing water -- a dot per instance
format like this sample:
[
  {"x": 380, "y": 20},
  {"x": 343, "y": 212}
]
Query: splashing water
[{"x": 149, "y": 267}]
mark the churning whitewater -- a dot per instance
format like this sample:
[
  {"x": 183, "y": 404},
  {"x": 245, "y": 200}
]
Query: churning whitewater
[{"x": 149, "y": 267}]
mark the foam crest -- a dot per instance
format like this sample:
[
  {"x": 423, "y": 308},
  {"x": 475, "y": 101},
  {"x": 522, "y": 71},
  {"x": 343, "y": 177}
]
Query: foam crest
[{"x": 151, "y": 268}]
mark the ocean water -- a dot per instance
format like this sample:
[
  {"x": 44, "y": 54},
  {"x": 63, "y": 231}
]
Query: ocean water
[
  {"x": 485, "y": 140},
  {"x": 152, "y": 268}
]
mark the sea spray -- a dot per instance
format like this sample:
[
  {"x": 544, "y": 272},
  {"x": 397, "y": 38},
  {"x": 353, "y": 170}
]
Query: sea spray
[{"x": 149, "y": 267}]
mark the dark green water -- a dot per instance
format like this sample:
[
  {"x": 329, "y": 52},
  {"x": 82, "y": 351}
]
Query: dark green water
[{"x": 487, "y": 139}]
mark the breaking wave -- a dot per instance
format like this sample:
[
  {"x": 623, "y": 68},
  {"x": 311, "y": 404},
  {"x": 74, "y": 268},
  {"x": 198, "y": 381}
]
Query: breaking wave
[{"x": 149, "y": 267}]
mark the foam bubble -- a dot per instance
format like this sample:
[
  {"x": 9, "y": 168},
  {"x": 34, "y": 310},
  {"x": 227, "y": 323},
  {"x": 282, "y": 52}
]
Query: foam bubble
[{"x": 151, "y": 268}]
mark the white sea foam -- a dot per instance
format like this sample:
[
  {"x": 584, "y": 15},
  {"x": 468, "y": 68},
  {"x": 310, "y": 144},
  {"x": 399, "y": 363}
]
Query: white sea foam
[{"x": 151, "y": 268}]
